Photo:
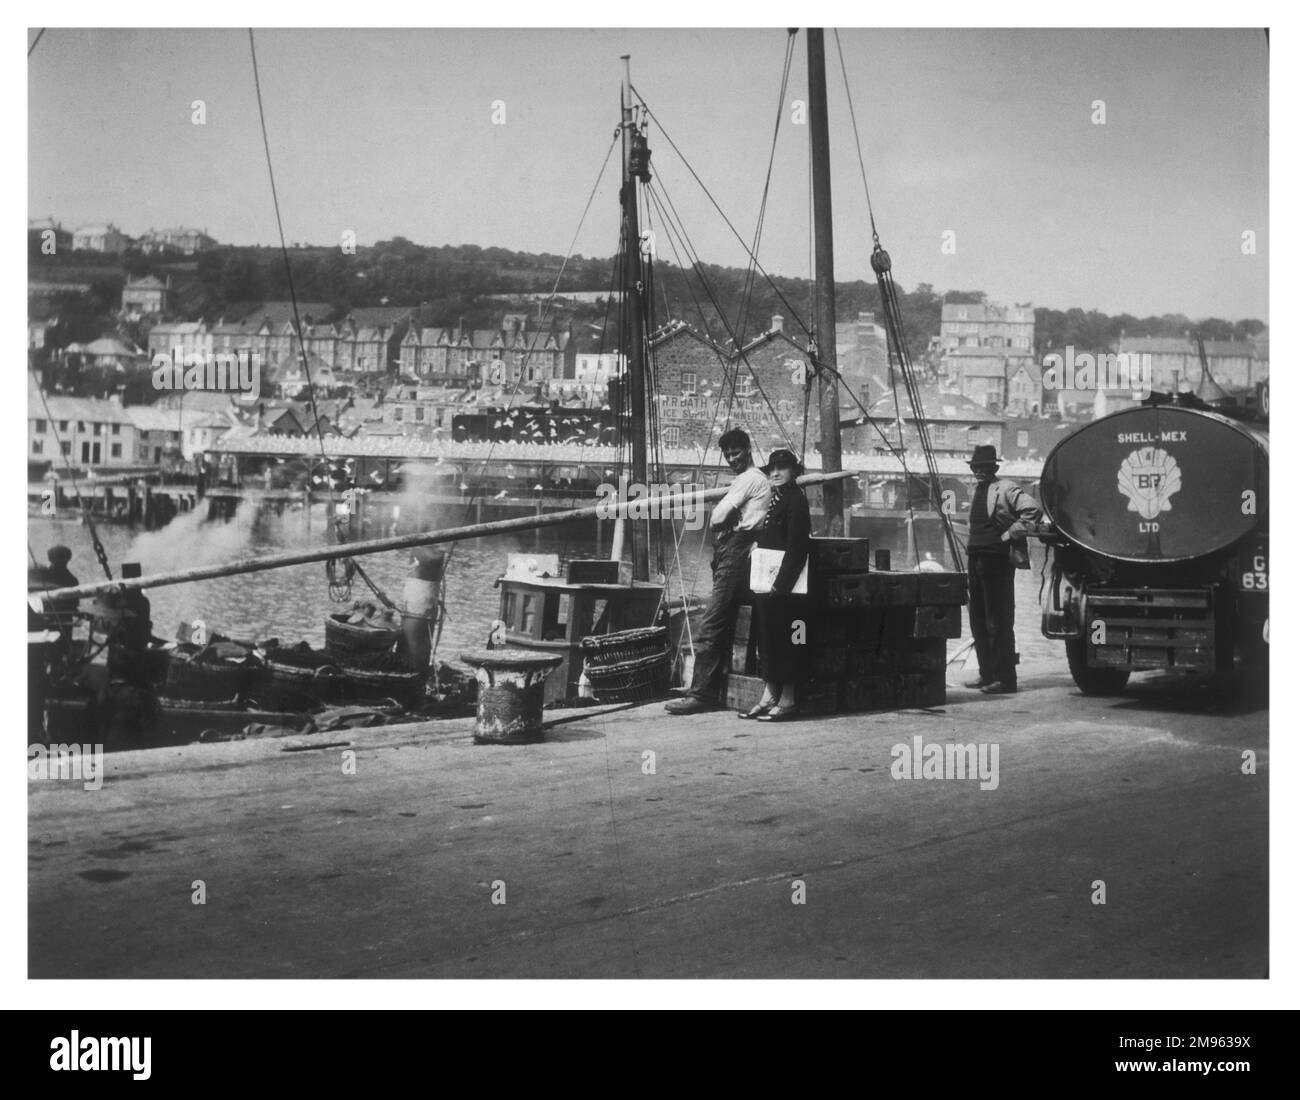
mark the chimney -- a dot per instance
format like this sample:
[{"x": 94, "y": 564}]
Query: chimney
[{"x": 778, "y": 323}]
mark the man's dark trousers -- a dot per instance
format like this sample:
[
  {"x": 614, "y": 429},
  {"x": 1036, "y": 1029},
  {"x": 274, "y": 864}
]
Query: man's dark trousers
[
  {"x": 993, "y": 613},
  {"x": 730, "y": 588}
]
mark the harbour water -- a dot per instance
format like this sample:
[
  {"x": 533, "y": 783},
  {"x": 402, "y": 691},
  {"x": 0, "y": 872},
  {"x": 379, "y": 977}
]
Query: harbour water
[{"x": 292, "y": 604}]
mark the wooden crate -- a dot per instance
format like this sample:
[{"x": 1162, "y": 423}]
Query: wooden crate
[
  {"x": 936, "y": 621},
  {"x": 870, "y": 589},
  {"x": 924, "y": 655},
  {"x": 941, "y": 588},
  {"x": 870, "y": 661},
  {"x": 840, "y": 555},
  {"x": 743, "y": 692},
  {"x": 821, "y": 698},
  {"x": 828, "y": 662},
  {"x": 744, "y": 625},
  {"x": 858, "y": 693},
  {"x": 742, "y": 660},
  {"x": 930, "y": 689}
]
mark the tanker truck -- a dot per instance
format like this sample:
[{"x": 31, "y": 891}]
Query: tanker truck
[{"x": 1159, "y": 528}]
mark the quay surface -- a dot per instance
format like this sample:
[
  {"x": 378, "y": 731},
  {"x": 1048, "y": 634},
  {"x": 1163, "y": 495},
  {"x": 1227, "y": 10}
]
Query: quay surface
[{"x": 690, "y": 872}]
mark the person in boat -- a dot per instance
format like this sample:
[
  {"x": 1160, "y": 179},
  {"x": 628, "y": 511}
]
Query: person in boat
[
  {"x": 62, "y": 613},
  {"x": 999, "y": 513},
  {"x": 127, "y": 702},
  {"x": 788, "y": 528},
  {"x": 735, "y": 522}
]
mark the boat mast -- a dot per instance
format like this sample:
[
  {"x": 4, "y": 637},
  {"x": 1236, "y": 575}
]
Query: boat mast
[
  {"x": 634, "y": 319},
  {"x": 824, "y": 263}
]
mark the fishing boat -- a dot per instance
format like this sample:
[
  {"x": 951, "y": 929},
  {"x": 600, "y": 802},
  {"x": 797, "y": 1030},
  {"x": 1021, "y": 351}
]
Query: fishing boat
[
  {"x": 556, "y": 610},
  {"x": 553, "y": 609}
]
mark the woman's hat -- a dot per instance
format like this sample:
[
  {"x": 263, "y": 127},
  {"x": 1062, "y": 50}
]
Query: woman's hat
[
  {"x": 985, "y": 453},
  {"x": 785, "y": 459}
]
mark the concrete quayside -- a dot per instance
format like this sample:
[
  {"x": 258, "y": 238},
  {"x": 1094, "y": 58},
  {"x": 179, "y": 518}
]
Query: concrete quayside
[{"x": 1119, "y": 837}]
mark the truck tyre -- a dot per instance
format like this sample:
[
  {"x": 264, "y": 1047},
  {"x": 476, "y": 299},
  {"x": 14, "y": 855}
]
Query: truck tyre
[{"x": 1092, "y": 681}]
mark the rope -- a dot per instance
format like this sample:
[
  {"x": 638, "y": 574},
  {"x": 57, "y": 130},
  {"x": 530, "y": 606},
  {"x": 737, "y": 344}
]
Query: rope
[
  {"x": 288, "y": 268},
  {"x": 862, "y": 164},
  {"x": 882, "y": 266},
  {"x": 732, "y": 335},
  {"x": 794, "y": 313}
]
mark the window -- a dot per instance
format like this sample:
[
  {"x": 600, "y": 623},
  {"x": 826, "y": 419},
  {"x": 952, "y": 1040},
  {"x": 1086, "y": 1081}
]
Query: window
[
  {"x": 972, "y": 435},
  {"x": 745, "y": 386},
  {"x": 939, "y": 434},
  {"x": 63, "y": 425},
  {"x": 688, "y": 382},
  {"x": 81, "y": 425},
  {"x": 116, "y": 450},
  {"x": 117, "y": 429},
  {"x": 672, "y": 437},
  {"x": 40, "y": 427},
  {"x": 397, "y": 413},
  {"x": 38, "y": 446},
  {"x": 98, "y": 428},
  {"x": 66, "y": 448},
  {"x": 1022, "y": 439},
  {"x": 419, "y": 412}
]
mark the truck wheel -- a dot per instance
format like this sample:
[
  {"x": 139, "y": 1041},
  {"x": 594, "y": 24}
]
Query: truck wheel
[{"x": 1092, "y": 681}]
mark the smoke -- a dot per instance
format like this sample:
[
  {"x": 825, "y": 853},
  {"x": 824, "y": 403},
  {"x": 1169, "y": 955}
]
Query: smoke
[{"x": 190, "y": 540}]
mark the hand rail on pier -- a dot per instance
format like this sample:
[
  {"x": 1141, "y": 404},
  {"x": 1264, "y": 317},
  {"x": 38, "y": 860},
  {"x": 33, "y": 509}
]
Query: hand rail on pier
[{"x": 404, "y": 542}]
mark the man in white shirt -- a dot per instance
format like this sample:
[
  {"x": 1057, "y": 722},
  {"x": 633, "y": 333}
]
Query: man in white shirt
[{"x": 736, "y": 521}]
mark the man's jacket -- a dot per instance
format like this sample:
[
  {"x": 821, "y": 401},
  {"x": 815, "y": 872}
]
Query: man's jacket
[{"x": 1009, "y": 505}]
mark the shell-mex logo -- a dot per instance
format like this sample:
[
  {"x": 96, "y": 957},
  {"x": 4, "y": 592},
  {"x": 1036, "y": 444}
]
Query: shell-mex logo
[{"x": 1149, "y": 476}]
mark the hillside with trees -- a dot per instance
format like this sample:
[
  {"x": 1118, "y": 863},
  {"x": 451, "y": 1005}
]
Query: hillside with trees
[{"x": 464, "y": 283}]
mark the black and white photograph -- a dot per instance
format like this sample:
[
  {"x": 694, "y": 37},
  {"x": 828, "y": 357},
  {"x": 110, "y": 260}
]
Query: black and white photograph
[{"x": 695, "y": 503}]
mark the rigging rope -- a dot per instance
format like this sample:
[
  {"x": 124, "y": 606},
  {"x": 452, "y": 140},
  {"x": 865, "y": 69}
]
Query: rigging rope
[
  {"x": 882, "y": 266},
  {"x": 794, "y": 313}
]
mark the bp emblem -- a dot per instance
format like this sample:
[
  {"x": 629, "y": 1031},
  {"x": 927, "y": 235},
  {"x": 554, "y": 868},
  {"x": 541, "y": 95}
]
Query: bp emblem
[{"x": 1149, "y": 477}]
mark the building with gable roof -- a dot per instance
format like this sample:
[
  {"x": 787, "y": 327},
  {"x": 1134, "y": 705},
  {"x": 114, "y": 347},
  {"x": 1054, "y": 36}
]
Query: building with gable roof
[
  {"x": 143, "y": 297},
  {"x": 100, "y": 238}
]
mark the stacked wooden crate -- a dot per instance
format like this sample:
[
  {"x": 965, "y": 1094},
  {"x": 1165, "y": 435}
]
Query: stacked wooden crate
[{"x": 877, "y": 640}]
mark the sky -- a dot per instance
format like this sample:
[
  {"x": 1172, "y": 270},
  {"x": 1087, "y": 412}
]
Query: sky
[{"x": 987, "y": 169}]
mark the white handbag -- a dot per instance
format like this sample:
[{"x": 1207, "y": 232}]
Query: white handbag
[{"x": 763, "y": 568}]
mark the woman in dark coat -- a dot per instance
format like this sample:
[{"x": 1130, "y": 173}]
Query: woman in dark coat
[{"x": 788, "y": 528}]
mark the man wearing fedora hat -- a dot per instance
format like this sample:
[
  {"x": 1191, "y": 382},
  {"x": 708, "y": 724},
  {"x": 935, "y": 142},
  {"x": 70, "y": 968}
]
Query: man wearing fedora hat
[{"x": 999, "y": 512}]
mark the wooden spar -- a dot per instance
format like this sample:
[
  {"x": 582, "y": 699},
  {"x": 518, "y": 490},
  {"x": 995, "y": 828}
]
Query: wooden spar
[
  {"x": 401, "y": 542},
  {"x": 824, "y": 320},
  {"x": 633, "y": 327}
]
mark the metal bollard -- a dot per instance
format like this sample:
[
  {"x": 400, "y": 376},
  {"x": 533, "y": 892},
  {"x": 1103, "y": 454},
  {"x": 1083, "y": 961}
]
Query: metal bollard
[{"x": 511, "y": 690}]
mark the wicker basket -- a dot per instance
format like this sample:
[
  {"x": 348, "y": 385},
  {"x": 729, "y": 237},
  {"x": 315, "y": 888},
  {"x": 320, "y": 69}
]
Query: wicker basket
[
  {"x": 636, "y": 681},
  {"x": 372, "y": 685},
  {"x": 624, "y": 646},
  {"x": 345, "y": 639},
  {"x": 298, "y": 680},
  {"x": 190, "y": 678}
]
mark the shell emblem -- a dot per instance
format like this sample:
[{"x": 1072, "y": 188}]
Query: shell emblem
[{"x": 1149, "y": 477}]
